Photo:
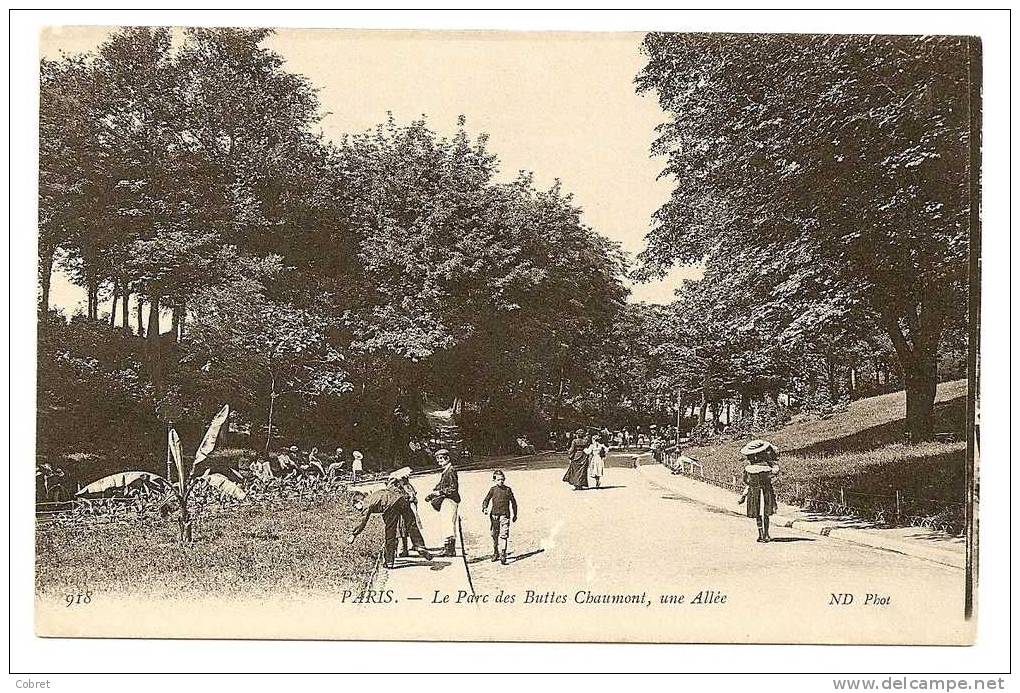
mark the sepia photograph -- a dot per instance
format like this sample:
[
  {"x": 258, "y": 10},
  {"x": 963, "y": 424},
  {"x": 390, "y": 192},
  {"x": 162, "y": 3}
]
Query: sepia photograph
[{"x": 507, "y": 336}]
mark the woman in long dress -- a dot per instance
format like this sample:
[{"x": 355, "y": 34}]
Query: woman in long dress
[
  {"x": 577, "y": 455},
  {"x": 759, "y": 494},
  {"x": 597, "y": 453}
]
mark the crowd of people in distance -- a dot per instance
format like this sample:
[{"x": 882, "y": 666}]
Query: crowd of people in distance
[
  {"x": 586, "y": 457},
  {"x": 640, "y": 437},
  {"x": 291, "y": 462}
]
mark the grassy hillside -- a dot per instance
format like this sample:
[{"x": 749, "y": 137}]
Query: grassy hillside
[
  {"x": 858, "y": 455},
  {"x": 871, "y": 422}
]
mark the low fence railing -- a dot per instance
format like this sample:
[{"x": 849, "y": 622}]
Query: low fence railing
[{"x": 896, "y": 509}]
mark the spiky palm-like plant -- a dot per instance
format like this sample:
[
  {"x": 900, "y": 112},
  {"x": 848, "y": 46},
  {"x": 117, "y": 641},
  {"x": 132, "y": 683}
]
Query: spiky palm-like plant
[{"x": 181, "y": 488}]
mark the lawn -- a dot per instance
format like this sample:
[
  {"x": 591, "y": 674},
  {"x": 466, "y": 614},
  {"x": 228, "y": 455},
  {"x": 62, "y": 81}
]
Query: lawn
[
  {"x": 856, "y": 455},
  {"x": 292, "y": 549}
]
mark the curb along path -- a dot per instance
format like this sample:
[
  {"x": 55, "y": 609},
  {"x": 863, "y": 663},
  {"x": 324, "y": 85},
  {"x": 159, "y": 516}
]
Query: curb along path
[
  {"x": 912, "y": 541},
  {"x": 414, "y": 579}
]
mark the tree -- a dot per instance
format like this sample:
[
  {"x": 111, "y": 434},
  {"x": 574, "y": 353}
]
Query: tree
[
  {"x": 66, "y": 133},
  {"x": 246, "y": 344},
  {"x": 465, "y": 289},
  {"x": 361, "y": 277},
  {"x": 632, "y": 378},
  {"x": 91, "y": 378},
  {"x": 843, "y": 157},
  {"x": 158, "y": 154}
]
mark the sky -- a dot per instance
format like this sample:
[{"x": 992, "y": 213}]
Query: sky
[{"x": 561, "y": 105}]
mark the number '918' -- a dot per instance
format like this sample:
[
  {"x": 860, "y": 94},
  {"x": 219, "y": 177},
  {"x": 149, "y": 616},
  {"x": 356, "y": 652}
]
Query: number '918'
[{"x": 79, "y": 598}]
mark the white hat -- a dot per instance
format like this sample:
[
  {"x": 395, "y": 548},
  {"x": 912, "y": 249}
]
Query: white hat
[
  {"x": 357, "y": 454},
  {"x": 401, "y": 473},
  {"x": 755, "y": 446}
]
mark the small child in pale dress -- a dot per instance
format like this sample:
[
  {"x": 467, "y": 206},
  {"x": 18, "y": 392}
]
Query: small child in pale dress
[
  {"x": 597, "y": 452},
  {"x": 356, "y": 465}
]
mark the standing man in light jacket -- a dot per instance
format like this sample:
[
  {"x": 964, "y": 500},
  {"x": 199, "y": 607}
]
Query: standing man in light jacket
[{"x": 445, "y": 498}]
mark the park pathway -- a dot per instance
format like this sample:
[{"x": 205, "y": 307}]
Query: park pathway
[
  {"x": 445, "y": 430},
  {"x": 635, "y": 536}
]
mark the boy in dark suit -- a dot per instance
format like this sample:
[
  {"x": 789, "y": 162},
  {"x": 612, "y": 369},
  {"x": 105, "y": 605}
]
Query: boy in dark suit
[{"x": 502, "y": 509}]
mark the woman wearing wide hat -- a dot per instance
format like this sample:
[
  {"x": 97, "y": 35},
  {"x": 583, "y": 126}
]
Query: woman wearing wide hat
[{"x": 758, "y": 491}]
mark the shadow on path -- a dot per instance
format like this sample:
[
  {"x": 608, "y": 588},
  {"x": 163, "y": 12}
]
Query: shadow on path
[
  {"x": 682, "y": 499},
  {"x": 785, "y": 540},
  {"x": 432, "y": 565},
  {"x": 512, "y": 558},
  {"x": 522, "y": 556}
]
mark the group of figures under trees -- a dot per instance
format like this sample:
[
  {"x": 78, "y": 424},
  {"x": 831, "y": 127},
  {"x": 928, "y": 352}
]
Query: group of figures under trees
[{"x": 230, "y": 252}]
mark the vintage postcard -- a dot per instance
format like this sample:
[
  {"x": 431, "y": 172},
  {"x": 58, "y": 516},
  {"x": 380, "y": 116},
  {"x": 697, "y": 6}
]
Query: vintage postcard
[{"x": 495, "y": 336}]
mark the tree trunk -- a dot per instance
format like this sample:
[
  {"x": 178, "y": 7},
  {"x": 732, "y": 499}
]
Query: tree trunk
[
  {"x": 175, "y": 322},
  {"x": 45, "y": 276},
  {"x": 113, "y": 305},
  {"x": 269, "y": 423},
  {"x": 555, "y": 419},
  {"x": 92, "y": 291},
  {"x": 745, "y": 403},
  {"x": 138, "y": 315},
  {"x": 705, "y": 380},
  {"x": 921, "y": 383},
  {"x": 125, "y": 305},
  {"x": 178, "y": 319},
  {"x": 917, "y": 352},
  {"x": 155, "y": 350},
  {"x": 832, "y": 380},
  {"x": 152, "y": 331}
]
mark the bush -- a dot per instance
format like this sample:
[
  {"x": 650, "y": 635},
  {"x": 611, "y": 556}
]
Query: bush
[{"x": 94, "y": 400}]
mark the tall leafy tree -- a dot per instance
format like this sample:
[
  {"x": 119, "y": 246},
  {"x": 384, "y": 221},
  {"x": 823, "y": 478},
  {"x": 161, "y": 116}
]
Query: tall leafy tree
[
  {"x": 844, "y": 158},
  {"x": 248, "y": 347}
]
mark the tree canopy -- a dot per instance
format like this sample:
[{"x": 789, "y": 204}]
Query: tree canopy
[
  {"x": 836, "y": 168},
  {"x": 317, "y": 285}
]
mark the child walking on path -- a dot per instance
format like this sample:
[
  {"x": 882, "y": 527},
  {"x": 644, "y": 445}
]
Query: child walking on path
[
  {"x": 597, "y": 453},
  {"x": 759, "y": 494},
  {"x": 502, "y": 509}
]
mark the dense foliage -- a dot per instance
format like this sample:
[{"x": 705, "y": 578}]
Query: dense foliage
[
  {"x": 333, "y": 292},
  {"x": 825, "y": 182},
  {"x": 324, "y": 289}
]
